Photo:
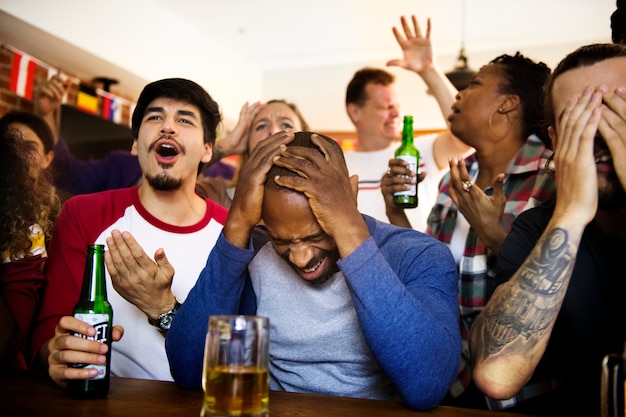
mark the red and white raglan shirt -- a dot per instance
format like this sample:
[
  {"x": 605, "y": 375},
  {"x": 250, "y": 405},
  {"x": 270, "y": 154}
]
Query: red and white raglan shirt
[{"x": 90, "y": 218}]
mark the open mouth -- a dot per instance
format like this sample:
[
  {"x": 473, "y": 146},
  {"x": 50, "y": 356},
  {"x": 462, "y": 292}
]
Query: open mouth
[
  {"x": 166, "y": 150},
  {"x": 602, "y": 155},
  {"x": 604, "y": 162},
  {"x": 312, "y": 272},
  {"x": 454, "y": 110},
  {"x": 313, "y": 268},
  {"x": 601, "y": 152}
]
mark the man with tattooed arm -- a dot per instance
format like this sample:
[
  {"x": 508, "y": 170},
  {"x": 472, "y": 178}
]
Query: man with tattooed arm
[{"x": 538, "y": 345}]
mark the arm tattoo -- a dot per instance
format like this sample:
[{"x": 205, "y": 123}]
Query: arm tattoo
[{"x": 530, "y": 308}]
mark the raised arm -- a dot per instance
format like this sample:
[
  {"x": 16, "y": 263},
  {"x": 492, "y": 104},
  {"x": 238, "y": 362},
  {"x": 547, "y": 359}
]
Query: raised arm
[
  {"x": 47, "y": 102},
  {"x": 419, "y": 57},
  {"x": 236, "y": 141}
]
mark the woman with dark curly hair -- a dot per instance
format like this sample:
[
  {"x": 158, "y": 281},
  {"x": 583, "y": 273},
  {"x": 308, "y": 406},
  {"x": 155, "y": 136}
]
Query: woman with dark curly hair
[{"x": 25, "y": 226}]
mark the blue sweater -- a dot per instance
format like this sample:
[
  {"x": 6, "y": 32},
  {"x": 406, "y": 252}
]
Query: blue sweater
[{"x": 403, "y": 285}]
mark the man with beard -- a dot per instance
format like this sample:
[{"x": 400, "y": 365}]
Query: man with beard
[
  {"x": 357, "y": 307},
  {"x": 174, "y": 127},
  {"x": 538, "y": 345}
]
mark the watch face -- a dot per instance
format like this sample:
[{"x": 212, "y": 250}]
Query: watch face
[{"x": 165, "y": 322}]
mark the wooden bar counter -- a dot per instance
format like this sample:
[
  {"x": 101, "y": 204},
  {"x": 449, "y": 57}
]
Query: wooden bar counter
[{"x": 25, "y": 394}]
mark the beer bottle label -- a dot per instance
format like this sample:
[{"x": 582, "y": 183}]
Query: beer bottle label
[
  {"x": 412, "y": 165},
  {"x": 101, "y": 324}
]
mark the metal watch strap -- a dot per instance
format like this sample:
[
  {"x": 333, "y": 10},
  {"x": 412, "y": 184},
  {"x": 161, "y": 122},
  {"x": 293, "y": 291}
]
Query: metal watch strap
[{"x": 164, "y": 321}]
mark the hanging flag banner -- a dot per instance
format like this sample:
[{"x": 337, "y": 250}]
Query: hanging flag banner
[
  {"x": 87, "y": 99},
  {"x": 92, "y": 100},
  {"x": 22, "y": 75}
]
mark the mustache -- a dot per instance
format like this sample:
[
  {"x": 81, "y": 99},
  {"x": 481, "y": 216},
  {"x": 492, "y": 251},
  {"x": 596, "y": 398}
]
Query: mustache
[
  {"x": 169, "y": 138},
  {"x": 316, "y": 259}
]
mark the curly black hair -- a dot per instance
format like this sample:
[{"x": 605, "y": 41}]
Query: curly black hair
[
  {"x": 526, "y": 78},
  {"x": 304, "y": 140}
]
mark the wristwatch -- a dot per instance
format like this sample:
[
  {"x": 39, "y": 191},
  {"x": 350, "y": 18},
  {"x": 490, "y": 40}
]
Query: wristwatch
[{"x": 164, "y": 321}]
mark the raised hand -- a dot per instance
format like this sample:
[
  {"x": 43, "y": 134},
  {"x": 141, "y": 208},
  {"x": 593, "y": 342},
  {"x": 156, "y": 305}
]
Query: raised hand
[
  {"x": 484, "y": 213},
  {"x": 417, "y": 48},
  {"x": 576, "y": 175},
  {"x": 47, "y": 101},
  {"x": 140, "y": 280},
  {"x": 419, "y": 56},
  {"x": 236, "y": 141},
  {"x": 245, "y": 210}
]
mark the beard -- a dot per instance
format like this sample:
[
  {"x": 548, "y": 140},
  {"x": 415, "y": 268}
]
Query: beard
[
  {"x": 611, "y": 194},
  {"x": 332, "y": 257},
  {"x": 163, "y": 182}
]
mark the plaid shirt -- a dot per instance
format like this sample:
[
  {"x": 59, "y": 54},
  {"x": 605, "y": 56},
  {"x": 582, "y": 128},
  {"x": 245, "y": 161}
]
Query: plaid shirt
[{"x": 527, "y": 183}]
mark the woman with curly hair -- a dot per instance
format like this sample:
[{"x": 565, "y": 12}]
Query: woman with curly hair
[
  {"x": 25, "y": 226},
  {"x": 36, "y": 131}
]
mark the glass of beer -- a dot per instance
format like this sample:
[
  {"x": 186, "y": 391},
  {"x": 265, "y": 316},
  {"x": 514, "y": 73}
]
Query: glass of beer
[{"x": 235, "y": 375}]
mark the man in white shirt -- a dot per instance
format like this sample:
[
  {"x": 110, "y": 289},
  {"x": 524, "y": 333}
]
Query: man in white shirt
[{"x": 373, "y": 107}]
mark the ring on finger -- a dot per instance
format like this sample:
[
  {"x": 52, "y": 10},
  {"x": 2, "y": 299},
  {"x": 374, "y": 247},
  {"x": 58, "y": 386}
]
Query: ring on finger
[{"x": 467, "y": 185}]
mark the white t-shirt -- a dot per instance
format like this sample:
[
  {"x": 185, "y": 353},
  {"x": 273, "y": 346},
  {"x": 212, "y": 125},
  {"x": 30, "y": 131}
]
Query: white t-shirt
[{"x": 371, "y": 166}]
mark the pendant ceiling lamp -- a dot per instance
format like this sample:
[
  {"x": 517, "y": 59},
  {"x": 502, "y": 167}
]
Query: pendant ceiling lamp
[{"x": 461, "y": 74}]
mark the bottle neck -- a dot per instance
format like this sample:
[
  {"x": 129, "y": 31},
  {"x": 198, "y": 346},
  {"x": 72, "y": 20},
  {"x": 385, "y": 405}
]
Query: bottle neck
[
  {"x": 94, "y": 284},
  {"x": 407, "y": 134}
]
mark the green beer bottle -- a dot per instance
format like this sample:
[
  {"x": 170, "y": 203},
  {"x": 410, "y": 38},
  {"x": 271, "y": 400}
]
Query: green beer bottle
[
  {"x": 408, "y": 152},
  {"x": 94, "y": 308}
]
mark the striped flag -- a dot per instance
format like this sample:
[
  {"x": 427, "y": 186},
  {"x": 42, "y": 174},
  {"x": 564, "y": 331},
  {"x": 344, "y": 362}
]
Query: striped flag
[
  {"x": 22, "y": 75},
  {"x": 111, "y": 108},
  {"x": 87, "y": 99}
]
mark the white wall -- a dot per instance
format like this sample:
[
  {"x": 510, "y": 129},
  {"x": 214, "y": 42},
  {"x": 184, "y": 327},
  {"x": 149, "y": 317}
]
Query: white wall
[
  {"x": 320, "y": 92},
  {"x": 149, "y": 41}
]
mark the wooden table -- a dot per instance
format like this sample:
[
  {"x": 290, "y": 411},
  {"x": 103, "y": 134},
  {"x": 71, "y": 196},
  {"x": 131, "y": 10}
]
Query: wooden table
[{"x": 24, "y": 394}]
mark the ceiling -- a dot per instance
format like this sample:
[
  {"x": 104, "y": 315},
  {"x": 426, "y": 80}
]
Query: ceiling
[
  {"x": 292, "y": 33},
  {"x": 143, "y": 40}
]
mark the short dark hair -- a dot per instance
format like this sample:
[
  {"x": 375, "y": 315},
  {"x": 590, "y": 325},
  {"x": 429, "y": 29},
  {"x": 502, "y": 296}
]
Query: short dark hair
[
  {"x": 36, "y": 123},
  {"x": 526, "y": 78},
  {"x": 581, "y": 57},
  {"x": 302, "y": 139},
  {"x": 182, "y": 90},
  {"x": 355, "y": 93}
]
